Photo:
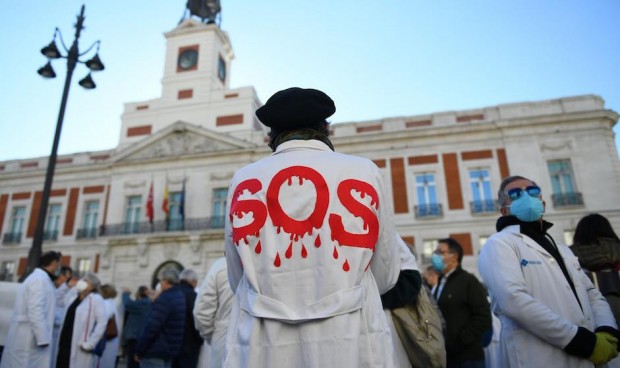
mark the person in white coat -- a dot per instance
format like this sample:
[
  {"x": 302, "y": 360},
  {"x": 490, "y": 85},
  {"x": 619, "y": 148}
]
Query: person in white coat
[
  {"x": 309, "y": 243},
  {"x": 83, "y": 327},
  {"x": 212, "y": 311},
  {"x": 551, "y": 315},
  {"x": 29, "y": 340}
]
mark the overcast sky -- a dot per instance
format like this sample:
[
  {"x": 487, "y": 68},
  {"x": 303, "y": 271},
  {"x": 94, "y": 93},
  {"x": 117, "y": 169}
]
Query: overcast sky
[{"x": 375, "y": 59}]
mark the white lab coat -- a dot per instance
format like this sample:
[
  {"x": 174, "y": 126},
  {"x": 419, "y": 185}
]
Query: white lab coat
[
  {"x": 212, "y": 311},
  {"x": 32, "y": 324},
  {"x": 307, "y": 291},
  {"x": 89, "y": 326},
  {"x": 62, "y": 293},
  {"x": 538, "y": 311}
]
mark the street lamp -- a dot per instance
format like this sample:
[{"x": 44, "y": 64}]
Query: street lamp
[{"x": 73, "y": 57}]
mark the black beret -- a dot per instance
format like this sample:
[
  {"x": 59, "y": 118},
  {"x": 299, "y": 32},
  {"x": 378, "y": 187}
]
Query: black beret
[{"x": 295, "y": 108}]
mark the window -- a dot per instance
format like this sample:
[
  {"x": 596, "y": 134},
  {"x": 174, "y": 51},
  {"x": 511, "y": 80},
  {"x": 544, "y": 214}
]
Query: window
[
  {"x": 175, "y": 219},
  {"x": 83, "y": 266},
  {"x": 133, "y": 214},
  {"x": 221, "y": 69},
  {"x": 52, "y": 222},
  {"x": 219, "y": 207},
  {"x": 426, "y": 191},
  {"x": 563, "y": 184},
  {"x": 7, "y": 271},
  {"x": 17, "y": 224},
  {"x": 481, "y": 193},
  {"x": 89, "y": 221},
  {"x": 428, "y": 247}
]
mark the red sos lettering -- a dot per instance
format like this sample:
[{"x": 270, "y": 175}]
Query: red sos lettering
[{"x": 316, "y": 218}]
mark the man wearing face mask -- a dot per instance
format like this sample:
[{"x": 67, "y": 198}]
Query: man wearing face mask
[
  {"x": 29, "y": 340},
  {"x": 463, "y": 304},
  {"x": 551, "y": 314}
]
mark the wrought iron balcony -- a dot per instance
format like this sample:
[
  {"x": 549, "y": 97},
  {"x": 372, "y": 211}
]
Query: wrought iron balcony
[
  {"x": 145, "y": 227},
  {"x": 86, "y": 233},
  {"x": 6, "y": 275},
  {"x": 428, "y": 210},
  {"x": 486, "y": 206},
  {"x": 567, "y": 199},
  {"x": 50, "y": 235},
  {"x": 11, "y": 238}
]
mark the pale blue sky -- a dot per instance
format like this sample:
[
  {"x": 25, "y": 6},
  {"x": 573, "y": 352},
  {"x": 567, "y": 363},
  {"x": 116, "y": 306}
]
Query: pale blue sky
[{"x": 376, "y": 59}]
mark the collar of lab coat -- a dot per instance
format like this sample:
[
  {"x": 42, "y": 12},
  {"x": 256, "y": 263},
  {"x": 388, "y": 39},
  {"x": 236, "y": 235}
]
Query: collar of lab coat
[
  {"x": 298, "y": 143},
  {"x": 515, "y": 230}
]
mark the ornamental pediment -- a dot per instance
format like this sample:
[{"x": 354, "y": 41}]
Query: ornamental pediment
[{"x": 181, "y": 139}]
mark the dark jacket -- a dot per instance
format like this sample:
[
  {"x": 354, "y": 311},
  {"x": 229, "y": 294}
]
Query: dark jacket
[
  {"x": 135, "y": 316},
  {"x": 163, "y": 333},
  {"x": 463, "y": 303},
  {"x": 601, "y": 261},
  {"x": 191, "y": 337}
]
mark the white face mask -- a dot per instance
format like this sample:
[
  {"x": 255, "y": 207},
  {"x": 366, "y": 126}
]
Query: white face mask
[{"x": 81, "y": 286}]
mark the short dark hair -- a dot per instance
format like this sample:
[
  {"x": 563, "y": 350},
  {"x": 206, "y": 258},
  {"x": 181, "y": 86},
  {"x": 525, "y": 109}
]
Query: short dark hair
[
  {"x": 66, "y": 270},
  {"x": 454, "y": 247},
  {"x": 48, "y": 257},
  {"x": 502, "y": 198},
  {"x": 143, "y": 292},
  {"x": 108, "y": 291},
  {"x": 321, "y": 127},
  {"x": 591, "y": 227}
]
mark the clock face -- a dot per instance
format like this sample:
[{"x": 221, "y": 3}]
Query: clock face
[{"x": 188, "y": 59}]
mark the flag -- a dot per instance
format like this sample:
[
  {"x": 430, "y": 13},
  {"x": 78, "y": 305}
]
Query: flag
[
  {"x": 165, "y": 205},
  {"x": 149, "y": 205},
  {"x": 182, "y": 203}
]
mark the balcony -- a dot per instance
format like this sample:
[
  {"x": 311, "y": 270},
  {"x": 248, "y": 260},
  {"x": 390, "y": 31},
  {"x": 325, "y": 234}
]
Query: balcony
[
  {"x": 11, "y": 238},
  {"x": 567, "y": 200},
  {"x": 87, "y": 233},
  {"x": 430, "y": 210},
  {"x": 6, "y": 275},
  {"x": 484, "y": 207},
  {"x": 207, "y": 223},
  {"x": 50, "y": 235}
]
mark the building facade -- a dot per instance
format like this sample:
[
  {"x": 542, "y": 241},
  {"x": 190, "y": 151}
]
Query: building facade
[{"x": 158, "y": 199}]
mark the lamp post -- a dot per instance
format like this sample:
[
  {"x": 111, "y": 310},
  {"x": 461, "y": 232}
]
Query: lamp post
[{"x": 73, "y": 57}]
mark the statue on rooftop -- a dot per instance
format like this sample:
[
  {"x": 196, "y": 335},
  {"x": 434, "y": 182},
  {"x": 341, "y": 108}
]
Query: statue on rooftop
[{"x": 207, "y": 10}]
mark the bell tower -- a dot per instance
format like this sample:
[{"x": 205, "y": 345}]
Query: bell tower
[{"x": 195, "y": 89}]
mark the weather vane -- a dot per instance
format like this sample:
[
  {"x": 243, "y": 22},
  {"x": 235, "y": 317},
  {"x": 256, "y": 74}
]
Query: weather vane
[{"x": 209, "y": 11}]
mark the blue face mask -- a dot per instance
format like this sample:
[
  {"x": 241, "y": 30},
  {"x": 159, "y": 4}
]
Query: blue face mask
[
  {"x": 527, "y": 208},
  {"x": 437, "y": 262}
]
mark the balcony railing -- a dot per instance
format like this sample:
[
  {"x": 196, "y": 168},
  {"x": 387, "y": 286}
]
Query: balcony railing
[
  {"x": 6, "y": 275},
  {"x": 484, "y": 207},
  {"x": 86, "y": 233},
  {"x": 428, "y": 210},
  {"x": 567, "y": 199},
  {"x": 50, "y": 235},
  {"x": 10, "y": 238},
  {"x": 207, "y": 223}
]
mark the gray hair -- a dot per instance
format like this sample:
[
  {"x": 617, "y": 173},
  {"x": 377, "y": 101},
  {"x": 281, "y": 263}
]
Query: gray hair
[
  {"x": 94, "y": 280},
  {"x": 502, "y": 197},
  {"x": 171, "y": 276},
  {"x": 189, "y": 275}
]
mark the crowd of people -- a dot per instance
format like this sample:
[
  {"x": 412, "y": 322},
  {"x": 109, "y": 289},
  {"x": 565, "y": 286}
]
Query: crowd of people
[{"x": 314, "y": 268}]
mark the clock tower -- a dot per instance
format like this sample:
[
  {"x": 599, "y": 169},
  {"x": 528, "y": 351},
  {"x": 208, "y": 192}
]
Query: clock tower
[
  {"x": 198, "y": 58},
  {"x": 195, "y": 89}
]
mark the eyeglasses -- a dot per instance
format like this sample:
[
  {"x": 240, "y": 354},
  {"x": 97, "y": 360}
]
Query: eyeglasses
[{"x": 532, "y": 190}]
